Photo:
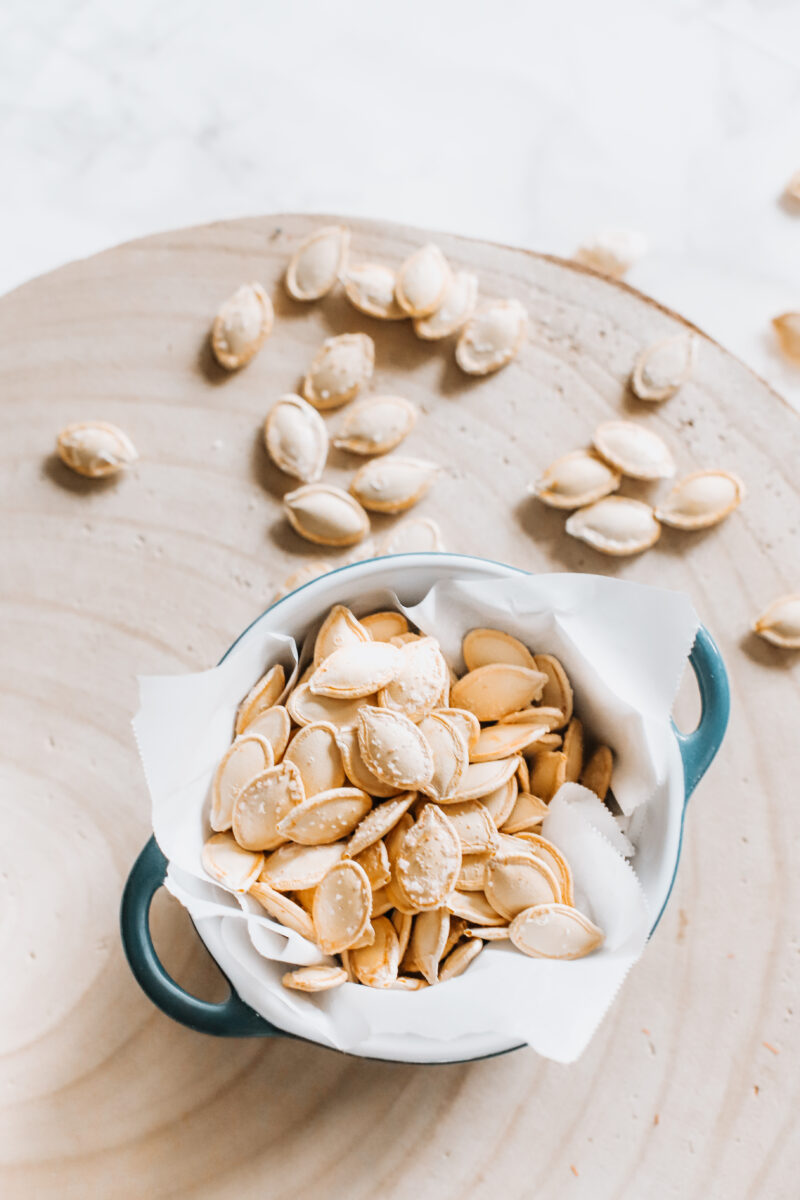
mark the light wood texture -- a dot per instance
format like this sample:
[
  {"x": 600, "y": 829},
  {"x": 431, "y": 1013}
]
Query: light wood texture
[{"x": 691, "y": 1086}]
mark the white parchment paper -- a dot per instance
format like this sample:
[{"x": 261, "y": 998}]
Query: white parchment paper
[{"x": 623, "y": 646}]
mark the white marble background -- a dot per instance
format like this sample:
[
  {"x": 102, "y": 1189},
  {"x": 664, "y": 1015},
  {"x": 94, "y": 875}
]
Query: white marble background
[{"x": 525, "y": 121}]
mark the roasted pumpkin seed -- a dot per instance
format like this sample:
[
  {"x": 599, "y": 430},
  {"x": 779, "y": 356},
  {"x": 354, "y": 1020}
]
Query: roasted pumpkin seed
[
  {"x": 701, "y": 500},
  {"x": 229, "y": 863},
  {"x": 393, "y": 485},
  {"x": 780, "y": 623},
  {"x": 370, "y": 288},
  {"x": 95, "y": 449},
  {"x": 317, "y": 263},
  {"x": 376, "y": 425},
  {"x": 326, "y": 515},
  {"x": 577, "y": 479},
  {"x": 664, "y": 367},
  {"x": 422, "y": 281},
  {"x": 455, "y": 309},
  {"x": 296, "y": 438},
  {"x": 492, "y": 337},
  {"x": 617, "y": 525},
  {"x": 341, "y": 366},
  {"x": 242, "y": 325},
  {"x": 554, "y": 931}
]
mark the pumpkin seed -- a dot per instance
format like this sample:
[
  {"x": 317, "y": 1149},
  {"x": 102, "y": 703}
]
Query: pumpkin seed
[
  {"x": 315, "y": 752},
  {"x": 383, "y": 626},
  {"x": 488, "y": 933},
  {"x": 95, "y": 449},
  {"x": 612, "y": 252},
  {"x": 474, "y": 826},
  {"x": 780, "y": 623},
  {"x": 456, "y": 307},
  {"x": 596, "y": 774},
  {"x": 261, "y": 805},
  {"x": 283, "y": 909},
  {"x": 523, "y": 775},
  {"x": 577, "y": 479},
  {"x": 554, "y": 931},
  {"x": 392, "y": 485},
  {"x": 540, "y": 714},
  {"x": 379, "y": 822},
  {"x": 325, "y": 817},
  {"x": 341, "y": 366},
  {"x": 370, "y": 288},
  {"x": 549, "y": 774},
  {"x": 296, "y": 438},
  {"x": 241, "y": 326},
  {"x": 573, "y": 749},
  {"x": 376, "y": 965},
  {"x": 634, "y": 449},
  {"x": 407, "y": 983},
  {"x": 377, "y": 424},
  {"x": 417, "y": 534},
  {"x": 494, "y": 691},
  {"x": 340, "y": 628},
  {"x": 515, "y": 882},
  {"x": 528, "y": 811},
  {"x": 459, "y": 959},
  {"x": 499, "y": 741},
  {"x": 273, "y": 725},
  {"x": 422, "y": 281},
  {"x": 314, "y": 979},
  {"x": 482, "y": 778},
  {"x": 787, "y": 327},
  {"x": 450, "y": 756},
  {"x": 247, "y": 757},
  {"x": 419, "y": 680},
  {"x": 393, "y": 748},
  {"x": 229, "y": 863},
  {"x": 482, "y": 647},
  {"x": 394, "y": 843},
  {"x": 616, "y": 525},
  {"x": 402, "y": 926},
  {"x": 326, "y": 515},
  {"x": 342, "y": 907},
  {"x": 307, "y": 709},
  {"x": 701, "y": 500},
  {"x": 356, "y": 670},
  {"x": 428, "y": 939},
  {"x": 472, "y": 876},
  {"x": 357, "y": 770},
  {"x": 552, "y": 857},
  {"x": 429, "y": 859},
  {"x": 375, "y": 861},
  {"x": 302, "y": 576},
  {"x": 293, "y": 868},
  {"x": 262, "y": 695},
  {"x": 473, "y": 907},
  {"x": 664, "y": 367},
  {"x": 557, "y": 693},
  {"x": 317, "y": 262},
  {"x": 465, "y": 722},
  {"x": 500, "y": 803},
  {"x": 491, "y": 337}
]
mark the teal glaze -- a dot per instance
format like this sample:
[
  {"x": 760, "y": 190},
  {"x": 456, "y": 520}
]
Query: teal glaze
[{"x": 232, "y": 1017}]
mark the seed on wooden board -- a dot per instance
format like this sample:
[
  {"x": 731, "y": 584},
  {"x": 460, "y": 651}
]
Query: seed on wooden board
[
  {"x": 429, "y": 859},
  {"x": 500, "y": 803},
  {"x": 342, "y": 907},
  {"x": 272, "y": 724},
  {"x": 617, "y": 525},
  {"x": 500, "y": 741},
  {"x": 376, "y": 965},
  {"x": 307, "y": 709},
  {"x": 241, "y": 326},
  {"x": 315, "y": 752},
  {"x": 492, "y": 337},
  {"x": 515, "y": 882},
  {"x": 428, "y": 939},
  {"x": 413, "y": 536},
  {"x": 340, "y": 367},
  {"x": 577, "y": 479},
  {"x": 555, "y": 931},
  {"x": 701, "y": 499},
  {"x": 528, "y": 812},
  {"x": 262, "y": 695},
  {"x": 325, "y": 817},
  {"x": 573, "y": 749},
  {"x": 260, "y": 806},
  {"x": 379, "y": 822},
  {"x": 787, "y": 327},
  {"x": 549, "y": 774},
  {"x": 393, "y": 748},
  {"x": 314, "y": 979},
  {"x": 326, "y": 515},
  {"x": 459, "y": 959},
  {"x": 293, "y": 868},
  {"x": 383, "y": 626},
  {"x": 473, "y": 907},
  {"x": 95, "y": 449},
  {"x": 481, "y": 779},
  {"x": 612, "y": 252},
  {"x": 450, "y": 756},
  {"x": 392, "y": 485},
  {"x": 317, "y": 263},
  {"x": 247, "y": 757},
  {"x": 283, "y": 909},
  {"x": 634, "y": 449},
  {"x": 229, "y": 863},
  {"x": 356, "y": 671},
  {"x": 465, "y": 722},
  {"x": 376, "y": 425},
  {"x": 482, "y": 647},
  {"x": 493, "y": 691},
  {"x": 552, "y": 857},
  {"x": 419, "y": 680},
  {"x": 557, "y": 691},
  {"x": 302, "y": 576},
  {"x": 375, "y": 861},
  {"x": 456, "y": 307},
  {"x": 664, "y": 367},
  {"x": 422, "y": 281},
  {"x": 596, "y": 774},
  {"x": 780, "y": 622},
  {"x": 474, "y": 826},
  {"x": 370, "y": 288},
  {"x": 296, "y": 438}
]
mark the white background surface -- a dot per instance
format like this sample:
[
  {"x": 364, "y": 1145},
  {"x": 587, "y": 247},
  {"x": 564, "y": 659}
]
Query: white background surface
[{"x": 531, "y": 123}]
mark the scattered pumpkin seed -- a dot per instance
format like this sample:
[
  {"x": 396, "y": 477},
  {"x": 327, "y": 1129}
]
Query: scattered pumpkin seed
[
  {"x": 616, "y": 525},
  {"x": 296, "y": 438},
  {"x": 701, "y": 499},
  {"x": 326, "y": 515},
  {"x": 317, "y": 263},
  {"x": 314, "y": 979},
  {"x": 376, "y": 425},
  {"x": 577, "y": 479},
  {"x": 780, "y": 623},
  {"x": 612, "y": 252},
  {"x": 370, "y": 288},
  {"x": 422, "y": 281},
  {"x": 241, "y": 326},
  {"x": 341, "y": 366},
  {"x": 634, "y": 449},
  {"x": 392, "y": 485},
  {"x": 95, "y": 449},
  {"x": 455, "y": 309},
  {"x": 492, "y": 337},
  {"x": 664, "y": 367}
]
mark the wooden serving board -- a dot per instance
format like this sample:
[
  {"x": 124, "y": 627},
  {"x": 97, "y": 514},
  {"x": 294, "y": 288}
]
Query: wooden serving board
[{"x": 690, "y": 1088}]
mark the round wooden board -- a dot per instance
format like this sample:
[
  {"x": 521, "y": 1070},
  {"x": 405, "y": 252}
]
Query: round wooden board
[{"x": 690, "y": 1088}]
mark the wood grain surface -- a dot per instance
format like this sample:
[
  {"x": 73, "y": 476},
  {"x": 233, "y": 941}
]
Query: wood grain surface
[{"x": 691, "y": 1086}]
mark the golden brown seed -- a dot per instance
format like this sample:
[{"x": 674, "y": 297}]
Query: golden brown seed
[
  {"x": 428, "y": 939},
  {"x": 549, "y": 773},
  {"x": 780, "y": 623},
  {"x": 279, "y": 906},
  {"x": 262, "y": 696},
  {"x": 429, "y": 859},
  {"x": 515, "y": 882},
  {"x": 528, "y": 812},
  {"x": 787, "y": 327},
  {"x": 293, "y": 868},
  {"x": 634, "y": 449},
  {"x": 342, "y": 907},
  {"x": 376, "y": 965},
  {"x": 376, "y": 425},
  {"x": 383, "y": 626},
  {"x": 340, "y": 628},
  {"x": 494, "y": 691},
  {"x": 555, "y": 931},
  {"x": 392, "y": 485},
  {"x": 261, "y": 805},
  {"x": 596, "y": 775},
  {"x": 314, "y": 979},
  {"x": 482, "y": 647},
  {"x": 95, "y": 449},
  {"x": 557, "y": 693},
  {"x": 573, "y": 749},
  {"x": 379, "y": 822},
  {"x": 393, "y": 748},
  {"x": 315, "y": 753},
  {"x": 459, "y": 959},
  {"x": 229, "y": 864},
  {"x": 246, "y": 758}
]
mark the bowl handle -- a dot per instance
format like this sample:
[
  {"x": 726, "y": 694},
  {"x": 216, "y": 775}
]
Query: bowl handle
[
  {"x": 699, "y": 747},
  {"x": 231, "y": 1018}
]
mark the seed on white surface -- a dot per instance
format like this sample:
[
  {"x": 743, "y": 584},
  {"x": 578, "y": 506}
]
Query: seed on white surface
[
  {"x": 261, "y": 805},
  {"x": 296, "y": 438},
  {"x": 537, "y": 714},
  {"x": 577, "y": 479},
  {"x": 376, "y": 964},
  {"x": 340, "y": 367},
  {"x": 634, "y": 449},
  {"x": 315, "y": 752},
  {"x": 273, "y": 725},
  {"x": 247, "y": 757},
  {"x": 393, "y": 748},
  {"x": 415, "y": 535},
  {"x": 493, "y": 691},
  {"x": 357, "y": 670},
  {"x": 229, "y": 863},
  {"x": 422, "y": 281},
  {"x": 325, "y": 817},
  {"x": 450, "y": 756},
  {"x": 294, "y": 868},
  {"x": 283, "y": 909},
  {"x": 95, "y": 449},
  {"x": 612, "y": 251},
  {"x": 664, "y": 367},
  {"x": 370, "y": 288},
  {"x": 383, "y": 626},
  {"x": 481, "y": 647},
  {"x": 419, "y": 679},
  {"x": 317, "y": 263},
  {"x": 428, "y": 939},
  {"x": 455, "y": 309},
  {"x": 780, "y": 623},
  {"x": 241, "y": 326},
  {"x": 787, "y": 327},
  {"x": 326, "y": 515},
  {"x": 554, "y": 931},
  {"x": 262, "y": 695},
  {"x": 314, "y": 979},
  {"x": 429, "y": 859},
  {"x": 392, "y": 485},
  {"x": 376, "y": 424},
  {"x": 342, "y": 907},
  {"x": 616, "y": 525},
  {"x": 491, "y": 337},
  {"x": 701, "y": 500}
]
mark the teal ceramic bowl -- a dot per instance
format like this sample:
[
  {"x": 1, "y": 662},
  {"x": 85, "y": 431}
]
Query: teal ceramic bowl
[{"x": 411, "y": 576}]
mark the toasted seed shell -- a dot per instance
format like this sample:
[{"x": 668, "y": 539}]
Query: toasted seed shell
[
  {"x": 612, "y": 251},
  {"x": 617, "y": 525},
  {"x": 780, "y": 623},
  {"x": 500, "y": 803},
  {"x": 554, "y": 931},
  {"x": 260, "y": 806},
  {"x": 428, "y": 938},
  {"x": 356, "y": 671},
  {"x": 515, "y": 882},
  {"x": 375, "y": 861},
  {"x": 493, "y": 691},
  {"x": 403, "y": 923},
  {"x": 465, "y": 722},
  {"x": 491, "y": 337},
  {"x": 342, "y": 907},
  {"x": 95, "y": 449},
  {"x": 573, "y": 749},
  {"x": 528, "y": 812},
  {"x": 376, "y": 425},
  {"x": 229, "y": 864},
  {"x": 314, "y": 979},
  {"x": 415, "y": 535},
  {"x": 283, "y": 909},
  {"x": 664, "y": 367},
  {"x": 241, "y": 326},
  {"x": 472, "y": 876},
  {"x": 459, "y": 959},
  {"x": 787, "y": 327},
  {"x": 293, "y": 868},
  {"x": 473, "y": 907},
  {"x": 302, "y": 576},
  {"x": 272, "y": 724},
  {"x": 474, "y": 826},
  {"x": 306, "y": 709},
  {"x": 634, "y": 449},
  {"x": 456, "y": 307},
  {"x": 247, "y": 757},
  {"x": 429, "y": 859},
  {"x": 549, "y": 773},
  {"x": 379, "y": 822},
  {"x": 339, "y": 629},
  {"x": 383, "y": 626},
  {"x": 392, "y": 485},
  {"x": 315, "y": 752},
  {"x": 326, "y": 817},
  {"x": 500, "y": 741},
  {"x": 549, "y": 717},
  {"x": 357, "y": 770},
  {"x": 523, "y": 775},
  {"x": 419, "y": 680},
  {"x": 422, "y": 281},
  {"x": 552, "y": 857},
  {"x": 488, "y": 933},
  {"x": 262, "y": 695},
  {"x": 296, "y": 438},
  {"x": 340, "y": 367},
  {"x": 450, "y": 756},
  {"x": 701, "y": 499},
  {"x": 393, "y": 748},
  {"x": 370, "y": 288},
  {"x": 408, "y": 983},
  {"x": 317, "y": 263},
  {"x": 326, "y": 515},
  {"x": 481, "y": 779},
  {"x": 557, "y": 691},
  {"x": 376, "y": 965},
  {"x": 596, "y": 774},
  {"x": 482, "y": 647},
  {"x": 577, "y": 479}
]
